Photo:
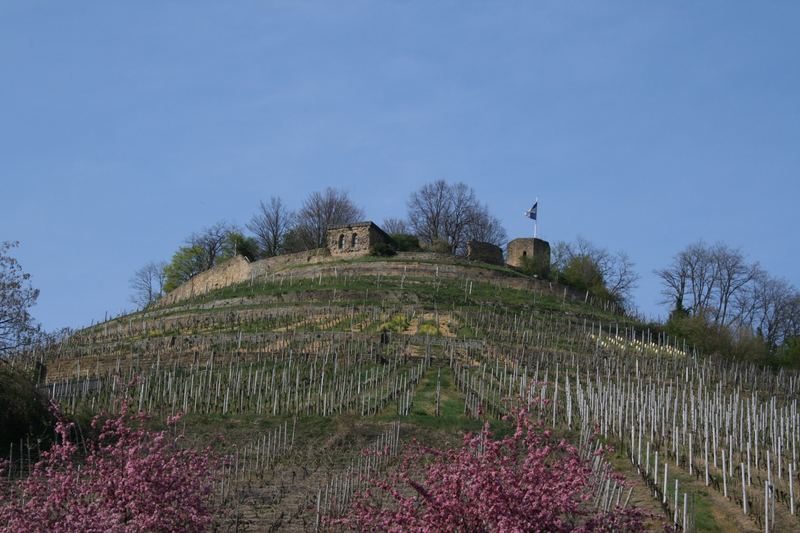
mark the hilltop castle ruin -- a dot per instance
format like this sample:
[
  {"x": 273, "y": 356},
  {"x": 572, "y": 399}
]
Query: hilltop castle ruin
[
  {"x": 527, "y": 249},
  {"x": 347, "y": 241},
  {"x": 356, "y": 239}
]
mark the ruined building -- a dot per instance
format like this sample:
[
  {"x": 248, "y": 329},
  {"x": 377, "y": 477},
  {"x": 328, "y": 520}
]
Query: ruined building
[
  {"x": 536, "y": 250},
  {"x": 485, "y": 252},
  {"x": 356, "y": 239}
]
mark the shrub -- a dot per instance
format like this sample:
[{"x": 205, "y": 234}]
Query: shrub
[
  {"x": 439, "y": 246},
  {"x": 23, "y": 409},
  {"x": 382, "y": 249},
  {"x": 406, "y": 243},
  {"x": 131, "y": 479},
  {"x": 789, "y": 353},
  {"x": 538, "y": 266}
]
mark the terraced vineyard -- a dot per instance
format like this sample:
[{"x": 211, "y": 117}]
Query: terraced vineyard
[{"x": 303, "y": 369}]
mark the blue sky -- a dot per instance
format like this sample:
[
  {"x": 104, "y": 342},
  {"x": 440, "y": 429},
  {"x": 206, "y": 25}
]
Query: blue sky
[{"x": 642, "y": 126}]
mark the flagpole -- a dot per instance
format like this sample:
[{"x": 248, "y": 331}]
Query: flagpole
[{"x": 536, "y": 220}]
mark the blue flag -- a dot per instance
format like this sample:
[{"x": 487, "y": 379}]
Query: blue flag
[{"x": 531, "y": 213}]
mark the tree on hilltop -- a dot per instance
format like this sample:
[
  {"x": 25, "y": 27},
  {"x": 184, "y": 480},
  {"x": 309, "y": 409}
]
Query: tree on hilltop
[
  {"x": 205, "y": 249},
  {"x": 270, "y": 224},
  {"x": 451, "y": 213},
  {"x": 321, "y": 211},
  {"x": 394, "y": 226},
  {"x": 722, "y": 302},
  {"x": 211, "y": 243},
  {"x": 186, "y": 263},
  {"x": 237, "y": 243},
  {"x": 148, "y": 283},
  {"x": 586, "y": 266},
  {"x": 708, "y": 281}
]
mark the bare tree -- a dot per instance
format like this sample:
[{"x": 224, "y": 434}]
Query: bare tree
[
  {"x": 620, "y": 278},
  {"x": 17, "y": 296},
  {"x": 560, "y": 254},
  {"x": 270, "y": 224},
  {"x": 463, "y": 210},
  {"x": 487, "y": 228},
  {"x": 323, "y": 210},
  {"x": 443, "y": 212},
  {"x": 719, "y": 285},
  {"x": 793, "y": 319},
  {"x": 675, "y": 279},
  {"x": 690, "y": 281},
  {"x": 702, "y": 268},
  {"x": 773, "y": 302},
  {"x": 212, "y": 242},
  {"x": 734, "y": 273},
  {"x": 394, "y": 226},
  {"x": 428, "y": 209},
  {"x": 709, "y": 281},
  {"x": 148, "y": 283},
  {"x": 615, "y": 270}
]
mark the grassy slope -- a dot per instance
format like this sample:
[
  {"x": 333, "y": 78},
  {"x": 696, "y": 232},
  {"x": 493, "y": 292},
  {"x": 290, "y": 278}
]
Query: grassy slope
[{"x": 335, "y": 439}]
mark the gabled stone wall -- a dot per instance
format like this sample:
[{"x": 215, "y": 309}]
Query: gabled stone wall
[{"x": 355, "y": 240}]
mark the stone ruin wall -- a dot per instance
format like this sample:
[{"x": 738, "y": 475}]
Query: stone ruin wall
[
  {"x": 238, "y": 270},
  {"x": 228, "y": 272},
  {"x": 365, "y": 236},
  {"x": 268, "y": 265},
  {"x": 532, "y": 248},
  {"x": 485, "y": 252}
]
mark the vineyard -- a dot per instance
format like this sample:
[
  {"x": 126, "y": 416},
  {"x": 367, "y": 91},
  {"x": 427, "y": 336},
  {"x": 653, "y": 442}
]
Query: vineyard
[{"x": 303, "y": 370}]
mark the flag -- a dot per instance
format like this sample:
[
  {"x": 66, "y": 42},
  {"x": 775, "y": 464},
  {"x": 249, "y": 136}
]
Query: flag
[{"x": 531, "y": 213}]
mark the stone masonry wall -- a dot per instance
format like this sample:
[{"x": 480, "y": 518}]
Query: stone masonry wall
[
  {"x": 238, "y": 270},
  {"x": 535, "y": 249},
  {"x": 353, "y": 241},
  {"x": 485, "y": 252},
  {"x": 264, "y": 267},
  {"x": 232, "y": 271}
]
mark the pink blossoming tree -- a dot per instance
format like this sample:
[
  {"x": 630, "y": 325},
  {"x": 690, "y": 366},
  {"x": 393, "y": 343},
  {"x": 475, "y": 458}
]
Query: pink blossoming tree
[
  {"x": 524, "y": 482},
  {"x": 131, "y": 479}
]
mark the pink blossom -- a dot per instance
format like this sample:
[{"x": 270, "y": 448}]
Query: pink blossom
[
  {"x": 130, "y": 480},
  {"x": 524, "y": 482}
]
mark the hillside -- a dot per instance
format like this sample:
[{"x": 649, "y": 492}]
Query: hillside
[{"x": 302, "y": 367}]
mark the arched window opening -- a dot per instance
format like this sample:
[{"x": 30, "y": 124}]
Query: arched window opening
[
  {"x": 341, "y": 241},
  {"x": 354, "y": 240},
  {"x": 524, "y": 253}
]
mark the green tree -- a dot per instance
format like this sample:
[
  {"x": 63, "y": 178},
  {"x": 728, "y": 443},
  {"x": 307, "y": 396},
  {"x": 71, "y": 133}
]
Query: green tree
[
  {"x": 583, "y": 273},
  {"x": 789, "y": 353},
  {"x": 238, "y": 244},
  {"x": 588, "y": 267},
  {"x": 186, "y": 263}
]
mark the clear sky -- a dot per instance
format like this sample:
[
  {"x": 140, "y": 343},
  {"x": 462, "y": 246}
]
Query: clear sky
[{"x": 642, "y": 126}]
